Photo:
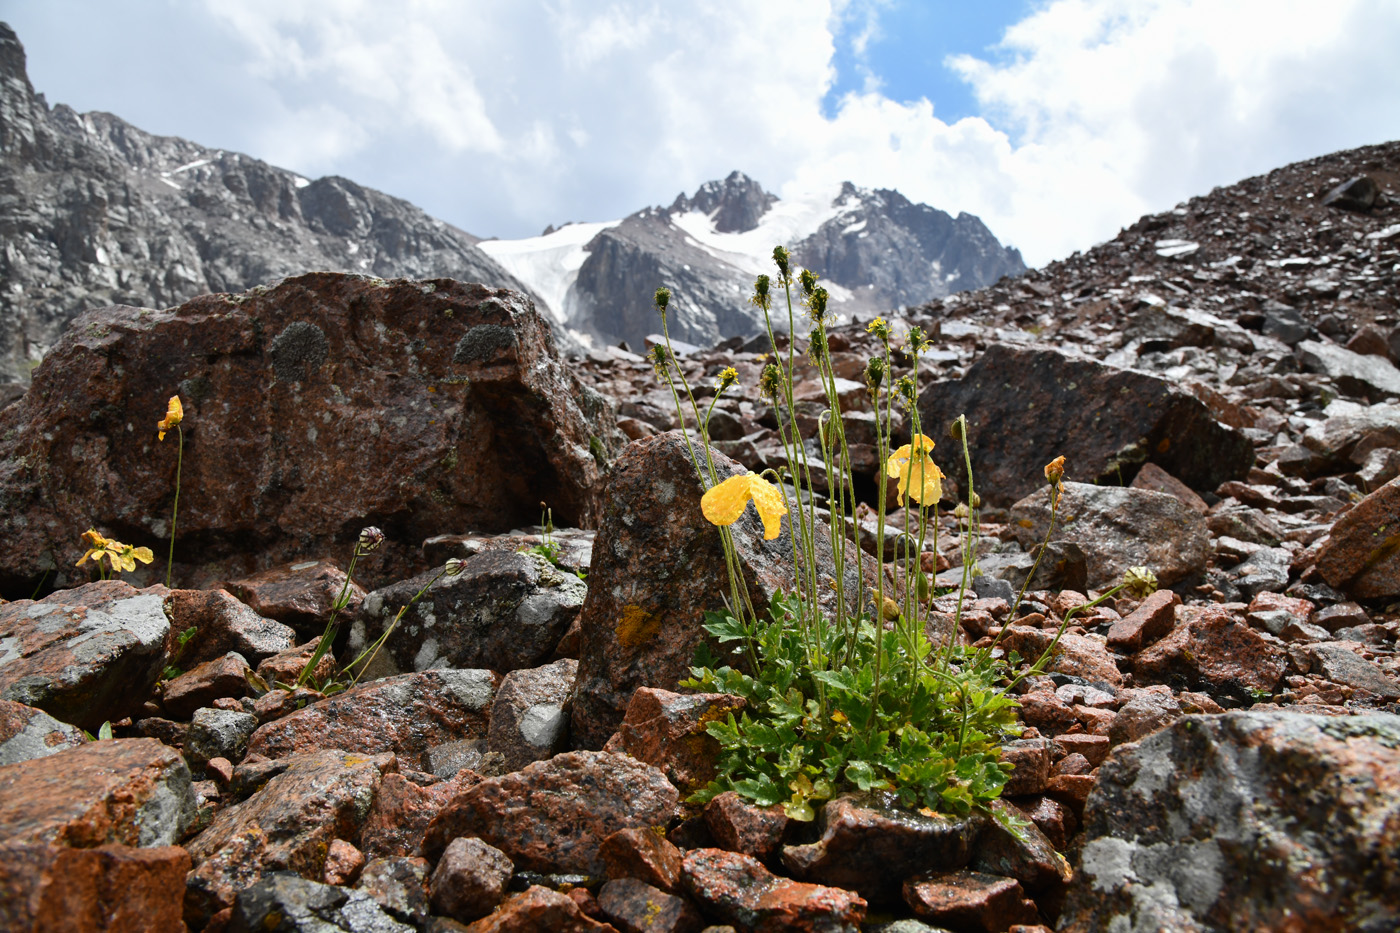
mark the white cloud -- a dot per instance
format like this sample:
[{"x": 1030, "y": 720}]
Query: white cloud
[{"x": 504, "y": 117}]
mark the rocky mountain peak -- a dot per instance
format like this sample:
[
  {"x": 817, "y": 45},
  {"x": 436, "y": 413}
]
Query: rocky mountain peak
[
  {"x": 12, "y": 60},
  {"x": 736, "y": 204}
]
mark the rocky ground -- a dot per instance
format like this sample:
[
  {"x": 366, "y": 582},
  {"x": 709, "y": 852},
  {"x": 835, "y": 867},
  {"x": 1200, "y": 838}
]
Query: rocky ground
[{"x": 1221, "y": 755}]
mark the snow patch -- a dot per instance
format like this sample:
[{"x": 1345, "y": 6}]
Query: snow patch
[
  {"x": 189, "y": 165},
  {"x": 299, "y": 182},
  {"x": 548, "y": 264}
]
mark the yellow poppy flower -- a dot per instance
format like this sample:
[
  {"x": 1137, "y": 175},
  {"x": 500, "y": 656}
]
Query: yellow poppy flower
[
  {"x": 723, "y": 504},
  {"x": 918, "y": 475},
  {"x": 97, "y": 547},
  {"x": 174, "y": 414}
]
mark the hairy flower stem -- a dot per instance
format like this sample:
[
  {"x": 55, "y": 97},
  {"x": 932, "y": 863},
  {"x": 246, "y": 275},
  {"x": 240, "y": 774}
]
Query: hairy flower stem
[
  {"x": 175, "y": 511},
  {"x": 333, "y": 623}
]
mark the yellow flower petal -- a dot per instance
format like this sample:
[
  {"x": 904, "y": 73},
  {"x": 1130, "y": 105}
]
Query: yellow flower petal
[
  {"x": 174, "y": 414},
  {"x": 143, "y": 554},
  {"x": 895, "y": 465},
  {"x": 723, "y": 504}
]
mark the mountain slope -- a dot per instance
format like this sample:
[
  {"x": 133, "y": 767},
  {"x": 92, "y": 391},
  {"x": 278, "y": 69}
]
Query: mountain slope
[
  {"x": 94, "y": 211},
  {"x": 877, "y": 250}
]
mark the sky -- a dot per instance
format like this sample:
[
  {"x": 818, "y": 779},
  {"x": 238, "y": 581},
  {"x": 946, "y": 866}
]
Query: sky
[{"x": 1056, "y": 121}]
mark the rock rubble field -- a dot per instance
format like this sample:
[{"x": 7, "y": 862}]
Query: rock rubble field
[{"x": 1220, "y": 755}]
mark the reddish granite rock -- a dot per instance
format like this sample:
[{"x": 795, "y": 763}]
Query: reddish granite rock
[
  {"x": 285, "y": 667},
  {"x": 644, "y": 854},
  {"x": 111, "y": 887},
  {"x": 538, "y": 909},
  {"x": 1341, "y": 665},
  {"x": 1093, "y": 748},
  {"x": 1030, "y": 765},
  {"x": 667, "y": 730},
  {"x": 1144, "y": 712},
  {"x": 870, "y": 845},
  {"x": 504, "y": 611},
  {"x": 402, "y": 811},
  {"x": 405, "y": 715},
  {"x": 1077, "y": 655},
  {"x": 1045, "y": 710},
  {"x": 309, "y": 406},
  {"x": 470, "y": 879},
  {"x": 1153, "y": 619},
  {"x": 344, "y": 863},
  {"x": 552, "y": 816},
  {"x": 299, "y": 594},
  {"x": 278, "y": 703},
  {"x": 636, "y": 907},
  {"x": 223, "y": 623},
  {"x": 1212, "y": 650},
  {"x": 970, "y": 900},
  {"x": 657, "y": 568},
  {"x": 737, "y": 889},
  {"x": 530, "y": 714},
  {"x": 87, "y": 655},
  {"x": 26, "y": 732},
  {"x": 134, "y": 792},
  {"x": 1361, "y": 554},
  {"x": 288, "y": 825},
  {"x": 740, "y": 826},
  {"x": 1156, "y": 479},
  {"x": 221, "y": 677},
  {"x": 1051, "y": 817},
  {"x": 1246, "y": 821}
]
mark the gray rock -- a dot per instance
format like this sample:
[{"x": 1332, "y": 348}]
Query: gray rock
[
  {"x": 1264, "y": 571},
  {"x": 530, "y": 715},
  {"x": 1341, "y": 665},
  {"x": 1119, "y": 527},
  {"x": 447, "y": 759},
  {"x": 505, "y": 611},
  {"x": 27, "y": 733},
  {"x": 1354, "y": 373},
  {"x": 288, "y": 903},
  {"x": 218, "y": 733},
  {"x": 399, "y": 885},
  {"x": 86, "y": 655},
  {"x": 1191, "y": 825}
]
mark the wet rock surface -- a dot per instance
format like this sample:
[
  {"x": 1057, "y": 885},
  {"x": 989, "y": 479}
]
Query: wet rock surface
[{"x": 737, "y": 889}]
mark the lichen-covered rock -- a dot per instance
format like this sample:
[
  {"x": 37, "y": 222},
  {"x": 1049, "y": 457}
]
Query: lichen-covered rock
[
  {"x": 88, "y": 655},
  {"x": 636, "y": 907},
  {"x": 312, "y": 408},
  {"x": 553, "y": 815},
  {"x": 284, "y": 901},
  {"x": 405, "y": 715},
  {"x": 287, "y": 825},
  {"x": 218, "y": 733},
  {"x": 530, "y": 715},
  {"x": 667, "y": 730},
  {"x": 1117, "y": 528},
  {"x": 504, "y": 611},
  {"x": 134, "y": 792},
  {"x": 26, "y": 732},
  {"x": 657, "y": 568},
  {"x": 1246, "y": 821}
]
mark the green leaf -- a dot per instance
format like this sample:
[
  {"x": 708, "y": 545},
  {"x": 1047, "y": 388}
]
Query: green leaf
[
  {"x": 863, "y": 775},
  {"x": 105, "y": 732}
]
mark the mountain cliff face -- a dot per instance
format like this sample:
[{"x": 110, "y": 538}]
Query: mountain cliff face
[
  {"x": 877, "y": 250},
  {"x": 93, "y": 212}
]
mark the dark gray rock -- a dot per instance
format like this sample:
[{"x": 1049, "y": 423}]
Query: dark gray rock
[
  {"x": 505, "y": 611},
  {"x": 283, "y": 902},
  {"x": 218, "y": 733}
]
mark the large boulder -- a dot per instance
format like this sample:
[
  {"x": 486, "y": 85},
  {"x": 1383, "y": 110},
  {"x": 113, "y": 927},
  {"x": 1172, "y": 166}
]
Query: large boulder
[
  {"x": 657, "y": 568},
  {"x": 1026, "y": 407},
  {"x": 1118, "y": 527},
  {"x": 323, "y": 404},
  {"x": 1246, "y": 821}
]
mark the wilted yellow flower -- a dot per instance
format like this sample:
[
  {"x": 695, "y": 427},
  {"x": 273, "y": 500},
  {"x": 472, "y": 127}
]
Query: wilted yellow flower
[
  {"x": 1055, "y": 471},
  {"x": 97, "y": 547},
  {"x": 918, "y": 475},
  {"x": 174, "y": 414},
  {"x": 1140, "y": 582},
  {"x": 723, "y": 504}
]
